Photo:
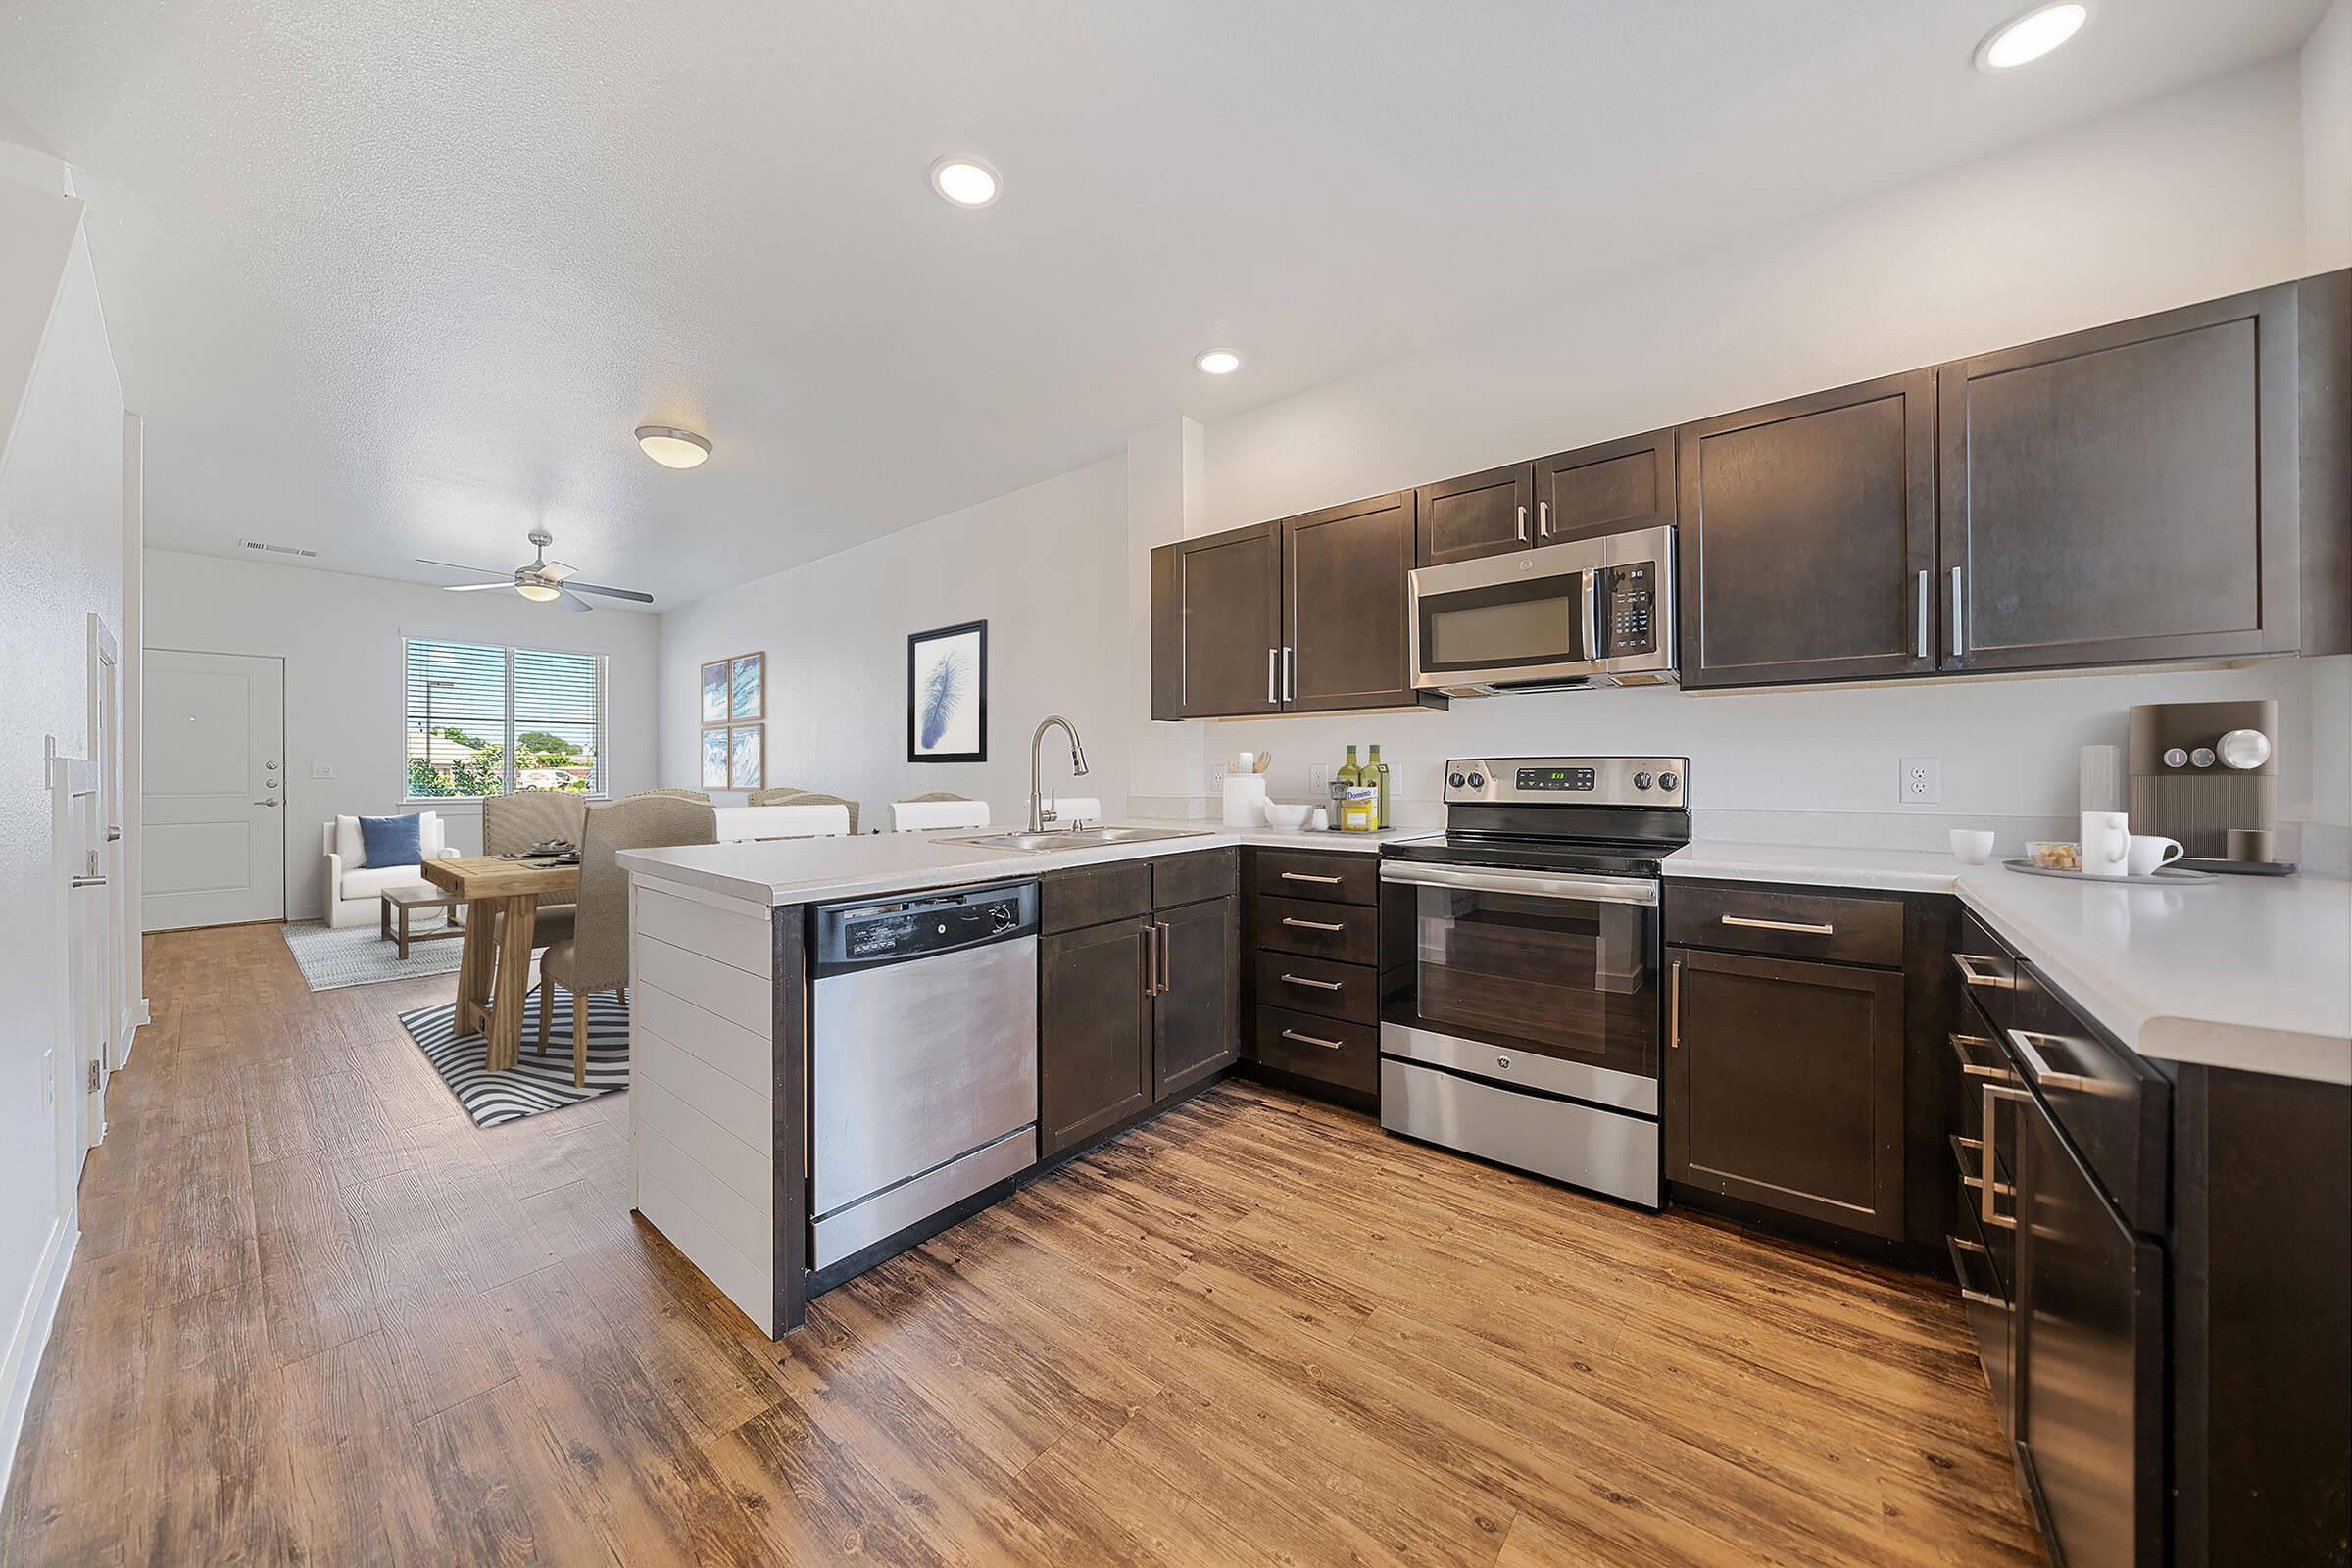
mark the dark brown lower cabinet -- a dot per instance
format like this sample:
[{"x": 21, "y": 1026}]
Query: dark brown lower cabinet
[
  {"x": 1197, "y": 1017},
  {"x": 1093, "y": 1031},
  {"x": 1784, "y": 1086}
]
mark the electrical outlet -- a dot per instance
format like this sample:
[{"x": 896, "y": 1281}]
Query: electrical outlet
[
  {"x": 1922, "y": 782},
  {"x": 1216, "y": 778},
  {"x": 1318, "y": 780},
  {"x": 322, "y": 771}
]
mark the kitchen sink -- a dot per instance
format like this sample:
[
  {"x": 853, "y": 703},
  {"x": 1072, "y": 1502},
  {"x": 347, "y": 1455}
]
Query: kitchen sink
[{"x": 1078, "y": 838}]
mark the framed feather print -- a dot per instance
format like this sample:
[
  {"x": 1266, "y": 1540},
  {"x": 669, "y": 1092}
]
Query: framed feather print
[
  {"x": 747, "y": 756},
  {"x": 715, "y": 755},
  {"x": 715, "y": 692},
  {"x": 748, "y": 688},
  {"x": 947, "y": 694}
]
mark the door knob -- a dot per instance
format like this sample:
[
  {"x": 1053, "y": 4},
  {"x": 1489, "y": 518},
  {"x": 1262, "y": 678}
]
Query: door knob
[{"x": 265, "y": 803}]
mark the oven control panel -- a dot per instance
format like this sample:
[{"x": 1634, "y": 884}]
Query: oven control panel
[{"x": 1568, "y": 780}]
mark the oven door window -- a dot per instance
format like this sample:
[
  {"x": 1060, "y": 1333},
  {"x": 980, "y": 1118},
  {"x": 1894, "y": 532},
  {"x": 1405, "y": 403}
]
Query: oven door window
[
  {"x": 1533, "y": 623},
  {"x": 1574, "y": 978}
]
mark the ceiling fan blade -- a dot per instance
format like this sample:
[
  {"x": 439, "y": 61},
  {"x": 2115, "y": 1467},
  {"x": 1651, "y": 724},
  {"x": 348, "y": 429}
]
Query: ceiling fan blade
[
  {"x": 479, "y": 571},
  {"x": 473, "y": 587},
  {"x": 557, "y": 570},
  {"x": 572, "y": 601},
  {"x": 616, "y": 593}
]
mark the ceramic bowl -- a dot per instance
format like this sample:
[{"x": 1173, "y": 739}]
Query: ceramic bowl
[
  {"x": 2054, "y": 854},
  {"x": 1973, "y": 846},
  {"x": 1282, "y": 813}
]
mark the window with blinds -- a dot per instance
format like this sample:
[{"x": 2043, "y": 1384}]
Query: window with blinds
[{"x": 483, "y": 719}]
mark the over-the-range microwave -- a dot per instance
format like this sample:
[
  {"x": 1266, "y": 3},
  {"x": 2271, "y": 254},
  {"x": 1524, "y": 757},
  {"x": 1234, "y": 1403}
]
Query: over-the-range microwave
[{"x": 1557, "y": 617}]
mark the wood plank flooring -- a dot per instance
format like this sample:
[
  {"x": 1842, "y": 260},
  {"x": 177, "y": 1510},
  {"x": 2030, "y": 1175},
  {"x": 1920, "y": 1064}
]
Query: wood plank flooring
[{"x": 318, "y": 1317}]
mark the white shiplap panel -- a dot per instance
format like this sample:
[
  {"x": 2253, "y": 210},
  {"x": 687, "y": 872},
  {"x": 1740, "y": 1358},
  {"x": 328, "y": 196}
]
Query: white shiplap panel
[
  {"x": 748, "y": 1117},
  {"x": 729, "y": 1048},
  {"x": 746, "y": 1000},
  {"x": 730, "y": 1216},
  {"x": 748, "y": 1285},
  {"x": 734, "y": 940},
  {"x": 749, "y": 1172}
]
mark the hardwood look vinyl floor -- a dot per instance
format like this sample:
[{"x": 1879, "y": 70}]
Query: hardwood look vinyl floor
[{"x": 318, "y": 1317}]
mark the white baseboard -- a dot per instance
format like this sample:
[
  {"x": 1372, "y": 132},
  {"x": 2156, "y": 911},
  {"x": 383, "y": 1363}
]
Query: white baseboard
[{"x": 32, "y": 1336}]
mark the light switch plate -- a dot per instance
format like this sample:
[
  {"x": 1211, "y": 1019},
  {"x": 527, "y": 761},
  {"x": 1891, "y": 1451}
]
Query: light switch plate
[
  {"x": 322, "y": 771},
  {"x": 1921, "y": 781}
]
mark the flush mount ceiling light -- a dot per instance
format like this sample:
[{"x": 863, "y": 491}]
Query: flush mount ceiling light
[
  {"x": 2028, "y": 36},
  {"x": 1217, "y": 361},
  {"x": 672, "y": 448},
  {"x": 967, "y": 182}
]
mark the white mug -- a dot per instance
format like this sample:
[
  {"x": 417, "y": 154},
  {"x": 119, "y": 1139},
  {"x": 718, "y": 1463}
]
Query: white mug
[
  {"x": 2150, "y": 851},
  {"x": 2106, "y": 844}
]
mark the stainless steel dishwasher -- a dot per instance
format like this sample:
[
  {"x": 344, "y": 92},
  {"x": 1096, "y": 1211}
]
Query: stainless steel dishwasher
[{"x": 923, "y": 1058}]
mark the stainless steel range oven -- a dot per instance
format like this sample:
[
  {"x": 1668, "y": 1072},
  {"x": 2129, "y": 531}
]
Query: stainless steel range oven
[{"x": 1520, "y": 1022}]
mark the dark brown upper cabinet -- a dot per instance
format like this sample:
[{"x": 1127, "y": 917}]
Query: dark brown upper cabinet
[
  {"x": 2125, "y": 494},
  {"x": 1612, "y": 487},
  {"x": 1216, "y": 624},
  {"x": 1343, "y": 606},
  {"x": 1489, "y": 514},
  {"x": 1808, "y": 537}
]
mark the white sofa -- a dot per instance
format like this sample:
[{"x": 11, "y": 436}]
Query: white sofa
[{"x": 353, "y": 888}]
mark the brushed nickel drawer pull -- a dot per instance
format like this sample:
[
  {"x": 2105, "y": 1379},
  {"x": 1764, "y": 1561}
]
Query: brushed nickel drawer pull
[
  {"x": 1975, "y": 1297},
  {"x": 1302, "y": 980},
  {"x": 1302, "y": 876},
  {"x": 1991, "y": 1186},
  {"x": 1806, "y": 927},
  {"x": 1310, "y": 1040},
  {"x": 1312, "y": 925},
  {"x": 1962, "y": 961},
  {"x": 2039, "y": 1066},
  {"x": 1971, "y": 1067}
]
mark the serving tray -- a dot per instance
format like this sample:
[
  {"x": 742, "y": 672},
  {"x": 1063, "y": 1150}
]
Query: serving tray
[{"x": 2164, "y": 878}]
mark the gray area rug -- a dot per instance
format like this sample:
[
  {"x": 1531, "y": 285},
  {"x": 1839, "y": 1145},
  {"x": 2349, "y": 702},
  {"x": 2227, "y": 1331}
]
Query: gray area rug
[
  {"x": 536, "y": 1083},
  {"x": 332, "y": 958}
]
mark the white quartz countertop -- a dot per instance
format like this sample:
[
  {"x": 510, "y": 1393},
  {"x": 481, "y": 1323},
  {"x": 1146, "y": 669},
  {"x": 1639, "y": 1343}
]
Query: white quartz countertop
[
  {"x": 2242, "y": 971},
  {"x": 876, "y": 864}
]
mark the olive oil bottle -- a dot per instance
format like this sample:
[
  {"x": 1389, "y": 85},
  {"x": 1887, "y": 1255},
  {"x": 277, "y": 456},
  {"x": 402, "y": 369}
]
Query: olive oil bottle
[
  {"x": 1376, "y": 774},
  {"x": 1350, "y": 775}
]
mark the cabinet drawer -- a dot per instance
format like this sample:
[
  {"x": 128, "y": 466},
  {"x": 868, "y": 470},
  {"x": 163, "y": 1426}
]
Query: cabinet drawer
[
  {"x": 1330, "y": 1050},
  {"x": 2114, "y": 1108},
  {"x": 1090, "y": 894},
  {"x": 1983, "y": 968},
  {"x": 1328, "y": 989},
  {"x": 1345, "y": 933},
  {"x": 1336, "y": 878},
  {"x": 1781, "y": 923},
  {"x": 1190, "y": 878}
]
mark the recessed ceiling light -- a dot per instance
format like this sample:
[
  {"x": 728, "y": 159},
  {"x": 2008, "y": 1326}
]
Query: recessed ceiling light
[
  {"x": 967, "y": 182},
  {"x": 2030, "y": 35},
  {"x": 672, "y": 448},
  {"x": 1217, "y": 361}
]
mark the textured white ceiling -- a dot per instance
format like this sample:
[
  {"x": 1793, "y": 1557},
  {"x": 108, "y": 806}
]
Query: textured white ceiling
[{"x": 391, "y": 280}]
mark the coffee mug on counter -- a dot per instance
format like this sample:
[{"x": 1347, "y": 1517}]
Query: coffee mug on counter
[
  {"x": 2149, "y": 850},
  {"x": 1971, "y": 845},
  {"x": 2106, "y": 844}
]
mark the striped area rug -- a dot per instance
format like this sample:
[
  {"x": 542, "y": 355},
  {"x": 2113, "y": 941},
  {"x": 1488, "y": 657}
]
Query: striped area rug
[{"x": 537, "y": 1083}]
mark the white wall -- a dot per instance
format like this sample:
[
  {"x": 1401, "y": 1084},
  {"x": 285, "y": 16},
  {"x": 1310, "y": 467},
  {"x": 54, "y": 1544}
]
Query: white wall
[
  {"x": 61, "y": 557},
  {"x": 1043, "y": 566},
  {"x": 2182, "y": 199},
  {"x": 340, "y": 637},
  {"x": 2326, "y": 82}
]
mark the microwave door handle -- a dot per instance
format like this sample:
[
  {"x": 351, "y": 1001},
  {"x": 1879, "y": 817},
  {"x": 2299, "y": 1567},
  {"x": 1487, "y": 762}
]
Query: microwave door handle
[
  {"x": 1591, "y": 597},
  {"x": 1521, "y": 884}
]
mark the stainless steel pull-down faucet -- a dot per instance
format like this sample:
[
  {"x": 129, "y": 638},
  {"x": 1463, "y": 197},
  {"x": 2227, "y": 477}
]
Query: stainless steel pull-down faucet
[{"x": 1039, "y": 813}]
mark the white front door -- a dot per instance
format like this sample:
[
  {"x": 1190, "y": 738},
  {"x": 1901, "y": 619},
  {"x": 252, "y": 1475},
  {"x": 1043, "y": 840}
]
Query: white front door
[{"x": 212, "y": 841}]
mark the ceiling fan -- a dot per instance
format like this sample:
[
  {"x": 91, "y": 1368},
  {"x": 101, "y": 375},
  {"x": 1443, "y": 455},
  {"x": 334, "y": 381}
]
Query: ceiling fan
[{"x": 542, "y": 579}]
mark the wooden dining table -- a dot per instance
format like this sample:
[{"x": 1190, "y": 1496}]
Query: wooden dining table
[{"x": 494, "y": 970}]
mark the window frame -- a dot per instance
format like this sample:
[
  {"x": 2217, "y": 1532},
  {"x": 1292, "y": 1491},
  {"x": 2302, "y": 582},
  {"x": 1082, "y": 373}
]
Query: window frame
[{"x": 507, "y": 651}]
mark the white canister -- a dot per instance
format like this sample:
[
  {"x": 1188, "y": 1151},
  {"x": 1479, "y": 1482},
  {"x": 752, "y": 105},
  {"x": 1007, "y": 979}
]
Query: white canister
[
  {"x": 2106, "y": 844},
  {"x": 1245, "y": 800}
]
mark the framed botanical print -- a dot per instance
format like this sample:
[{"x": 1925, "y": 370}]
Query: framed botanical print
[
  {"x": 716, "y": 754},
  {"x": 747, "y": 756},
  {"x": 747, "y": 688},
  {"x": 715, "y": 692},
  {"x": 947, "y": 694}
]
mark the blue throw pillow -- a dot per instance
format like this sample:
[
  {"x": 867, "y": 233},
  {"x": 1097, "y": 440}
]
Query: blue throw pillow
[{"x": 393, "y": 840}]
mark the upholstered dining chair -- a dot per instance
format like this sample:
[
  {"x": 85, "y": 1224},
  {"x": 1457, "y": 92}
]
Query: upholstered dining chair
[
  {"x": 794, "y": 797},
  {"x": 596, "y": 956},
  {"x": 513, "y": 823},
  {"x": 915, "y": 813},
  {"x": 703, "y": 796}
]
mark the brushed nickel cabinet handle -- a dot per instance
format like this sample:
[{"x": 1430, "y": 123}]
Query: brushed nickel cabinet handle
[
  {"x": 1989, "y": 1186},
  {"x": 1924, "y": 614},
  {"x": 1542, "y": 519},
  {"x": 1804, "y": 927},
  {"x": 1151, "y": 936},
  {"x": 1971, "y": 1067},
  {"x": 1959, "y": 632},
  {"x": 2038, "y": 1065},
  {"x": 1964, "y": 962},
  {"x": 1167, "y": 959},
  {"x": 87, "y": 882},
  {"x": 1302, "y": 980},
  {"x": 1290, "y": 674},
  {"x": 1521, "y": 530},
  {"x": 1312, "y": 925},
  {"x": 1273, "y": 660},
  {"x": 1674, "y": 1006},
  {"x": 1977, "y": 1297},
  {"x": 1302, "y": 876},
  {"x": 1313, "y": 1039}
]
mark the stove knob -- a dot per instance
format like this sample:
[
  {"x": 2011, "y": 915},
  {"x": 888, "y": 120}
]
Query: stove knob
[
  {"x": 1640, "y": 781},
  {"x": 1456, "y": 781},
  {"x": 1668, "y": 781},
  {"x": 1477, "y": 781}
]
